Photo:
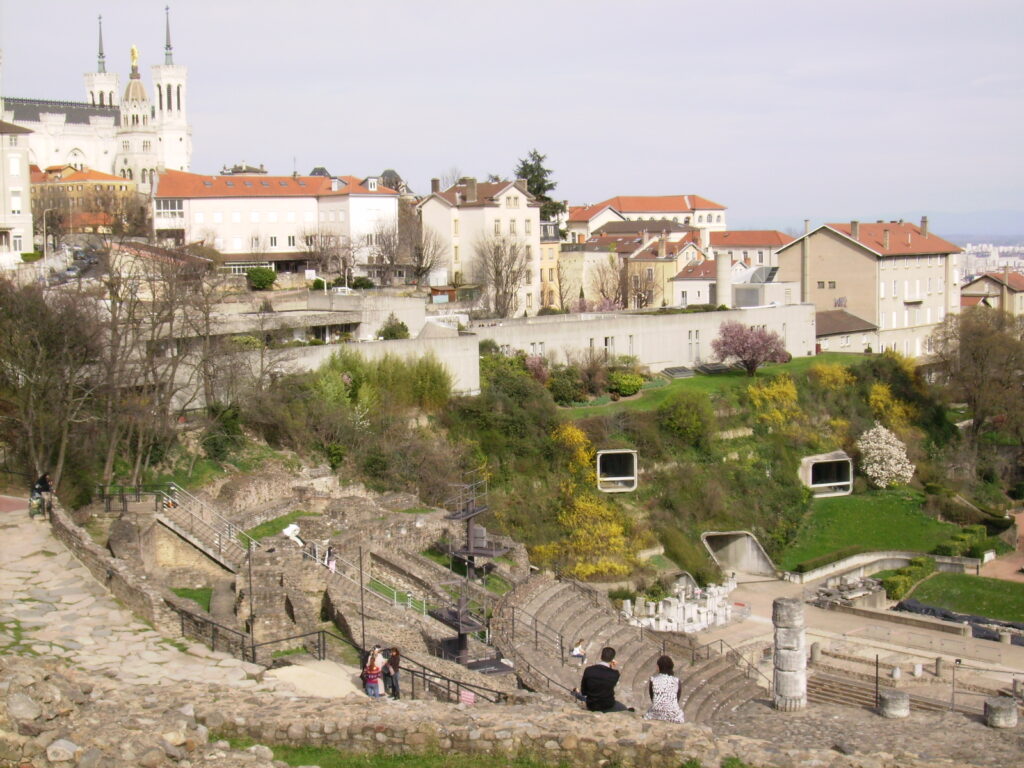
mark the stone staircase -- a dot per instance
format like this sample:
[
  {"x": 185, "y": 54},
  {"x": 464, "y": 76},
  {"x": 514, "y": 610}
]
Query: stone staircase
[{"x": 539, "y": 622}]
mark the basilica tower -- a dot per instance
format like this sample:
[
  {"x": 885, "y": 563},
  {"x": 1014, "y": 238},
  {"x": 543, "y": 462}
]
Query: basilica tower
[
  {"x": 102, "y": 87},
  {"x": 174, "y": 135}
]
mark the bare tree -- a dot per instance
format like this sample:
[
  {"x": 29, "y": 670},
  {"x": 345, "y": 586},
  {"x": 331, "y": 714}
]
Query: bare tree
[
  {"x": 385, "y": 250},
  {"x": 567, "y": 288},
  {"x": 501, "y": 267},
  {"x": 608, "y": 281},
  {"x": 328, "y": 252},
  {"x": 428, "y": 254},
  {"x": 451, "y": 177}
]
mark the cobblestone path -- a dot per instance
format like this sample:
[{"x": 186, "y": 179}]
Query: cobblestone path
[{"x": 51, "y": 606}]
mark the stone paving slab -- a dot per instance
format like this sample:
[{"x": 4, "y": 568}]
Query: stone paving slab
[{"x": 51, "y": 606}]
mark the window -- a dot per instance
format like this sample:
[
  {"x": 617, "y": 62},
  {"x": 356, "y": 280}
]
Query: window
[
  {"x": 273, "y": 241},
  {"x": 497, "y": 226},
  {"x": 14, "y": 167},
  {"x": 291, "y": 241},
  {"x": 821, "y": 283},
  {"x": 832, "y": 284},
  {"x": 528, "y": 227},
  {"x": 170, "y": 208}
]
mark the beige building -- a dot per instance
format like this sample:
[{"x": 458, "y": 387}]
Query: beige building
[
  {"x": 894, "y": 275},
  {"x": 469, "y": 216},
  {"x": 1004, "y": 290}
]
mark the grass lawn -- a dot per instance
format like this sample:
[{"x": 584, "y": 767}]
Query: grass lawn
[
  {"x": 327, "y": 757},
  {"x": 991, "y": 598},
  {"x": 200, "y": 596},
  {"x": 890, "y": 519},
  {"x": 278, "y": 524},
  {"x": 648, "y": 400}
]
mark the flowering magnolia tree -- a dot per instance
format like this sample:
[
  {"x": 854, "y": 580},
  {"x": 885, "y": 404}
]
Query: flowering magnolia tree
[
  {"x": 750, "y": 346},
  {"x": 884, "y": 458}
]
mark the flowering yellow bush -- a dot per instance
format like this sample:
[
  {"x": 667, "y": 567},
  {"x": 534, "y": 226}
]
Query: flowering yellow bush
[
  {"x": 889, "y": 409},
  {"x": 775, "y": 401},
  {"x": 831, "y": 376}
]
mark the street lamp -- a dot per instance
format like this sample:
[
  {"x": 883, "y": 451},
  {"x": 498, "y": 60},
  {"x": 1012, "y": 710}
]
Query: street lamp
[{"x": 44, "y": 232}]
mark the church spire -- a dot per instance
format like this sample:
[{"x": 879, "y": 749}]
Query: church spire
[
  {"x": 168, "y": 51},
  {"x": 101, "y": 62}
]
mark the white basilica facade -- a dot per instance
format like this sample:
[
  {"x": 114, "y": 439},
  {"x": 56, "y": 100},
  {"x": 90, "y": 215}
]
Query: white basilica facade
[{"x": 131, "y": 133}]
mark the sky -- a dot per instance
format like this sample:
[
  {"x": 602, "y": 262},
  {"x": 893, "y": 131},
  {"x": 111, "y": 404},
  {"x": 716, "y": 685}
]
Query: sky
[{"x": 781, "y": 110}]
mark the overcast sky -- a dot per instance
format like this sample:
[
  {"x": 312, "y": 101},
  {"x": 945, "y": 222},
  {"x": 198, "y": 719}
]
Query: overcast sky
[{"x": 781, "y": 110}]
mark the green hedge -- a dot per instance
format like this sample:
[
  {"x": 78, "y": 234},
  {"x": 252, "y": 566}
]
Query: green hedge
[{"x": 900, "y": 582}]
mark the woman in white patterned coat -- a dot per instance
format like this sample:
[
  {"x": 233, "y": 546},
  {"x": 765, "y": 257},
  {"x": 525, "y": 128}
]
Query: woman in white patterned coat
[{"x": 664, "y": 690}]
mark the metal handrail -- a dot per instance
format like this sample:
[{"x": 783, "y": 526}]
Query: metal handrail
[{"x": 231, "y": 528}]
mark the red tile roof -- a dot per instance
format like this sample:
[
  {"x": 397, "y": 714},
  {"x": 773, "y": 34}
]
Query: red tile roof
[
  {"x": 698, "y": 270},
  {"x": 646, "y": 204},
  {"x": 89, "y": 174},
  {"x": 905, "y": 239},
  {"x": 182, "y": 184},
  {"x": 750, "y": 238},
  {"x": 486, "y": 191},
  {"x": 1014, "y": 281}
]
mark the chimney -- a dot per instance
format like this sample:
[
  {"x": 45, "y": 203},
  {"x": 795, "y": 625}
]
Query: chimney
[
  {"x": 470, "y": 183},
  {"x": 924, "y": 226},
  {"x": 855, "y": 229},
  {"x": 723, "y": 278},
  {"x": 885, "y": 239},
  {"x": 435, "y": 185}
]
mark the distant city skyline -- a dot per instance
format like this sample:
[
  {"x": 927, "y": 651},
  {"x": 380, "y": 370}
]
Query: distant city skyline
[{"x": 779, "y": 110}]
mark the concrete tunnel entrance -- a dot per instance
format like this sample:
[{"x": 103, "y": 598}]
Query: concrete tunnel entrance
[{"x": 738, "y": 551}]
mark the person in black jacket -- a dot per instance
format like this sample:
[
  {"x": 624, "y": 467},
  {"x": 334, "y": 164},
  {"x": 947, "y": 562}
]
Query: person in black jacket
[{"x": 598, "y": 684}]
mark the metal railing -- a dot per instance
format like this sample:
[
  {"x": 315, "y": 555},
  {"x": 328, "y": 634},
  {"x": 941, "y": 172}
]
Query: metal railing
[{"x": 429, "y": 679}]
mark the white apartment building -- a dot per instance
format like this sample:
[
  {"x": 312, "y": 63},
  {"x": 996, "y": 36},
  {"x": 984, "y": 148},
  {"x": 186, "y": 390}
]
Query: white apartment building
[
  {"x": 688, "y": 210},
  {"x": 469, "y": 214},
  {"x": 15, "y": 205},
  {"x": 268, "y": 220},
  {"x": 898, "y": 277}
]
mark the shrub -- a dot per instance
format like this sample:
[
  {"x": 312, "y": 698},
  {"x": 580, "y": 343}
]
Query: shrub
[
  {"x": 831, "y": 376},
  {"x": 689, "y": 417},
  {"x": 624, "y": 384},
  {"x": 393, "y": 328},
  {"x": 261, "y": 278},
  {"x": 361, "y": 283},
  {"x": 565, "y": 385},
  {"x": 884, "y": 458}
]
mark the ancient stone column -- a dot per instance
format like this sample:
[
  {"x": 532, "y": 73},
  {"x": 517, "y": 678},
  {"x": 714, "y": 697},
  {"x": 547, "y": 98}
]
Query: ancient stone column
[
  {"x": 1000, "y": 712},
  {"x": 893, "y": 704},
  {"x": 790, "y": 679}
]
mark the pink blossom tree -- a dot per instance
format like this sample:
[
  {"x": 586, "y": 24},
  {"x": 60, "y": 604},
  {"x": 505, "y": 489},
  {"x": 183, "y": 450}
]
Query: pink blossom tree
[{"x": 749, "y": 345}]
